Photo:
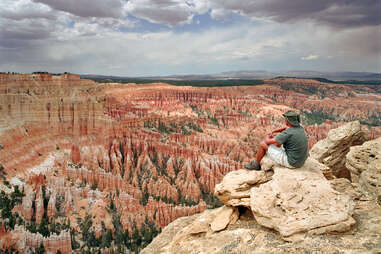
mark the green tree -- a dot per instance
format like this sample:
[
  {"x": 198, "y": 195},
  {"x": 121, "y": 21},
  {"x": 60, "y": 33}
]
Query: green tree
[
  {"x": 74, "y": 243},
  {"x": 40, "y": 250},
  {"x": 94, "y": 185},
  {"x": 88, "y": 236},
  {"x": 43, "y": 228}
]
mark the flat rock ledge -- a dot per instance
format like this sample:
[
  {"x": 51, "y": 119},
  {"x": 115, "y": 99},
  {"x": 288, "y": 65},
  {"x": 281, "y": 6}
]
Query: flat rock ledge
[
  {"x": 234, "y": 190},
  {"x": 290, "y": 201},
  {"x": 300, "y": 200}
]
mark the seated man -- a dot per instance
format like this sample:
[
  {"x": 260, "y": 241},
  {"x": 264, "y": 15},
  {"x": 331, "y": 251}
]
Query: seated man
[{"x": 294, "y": 152}]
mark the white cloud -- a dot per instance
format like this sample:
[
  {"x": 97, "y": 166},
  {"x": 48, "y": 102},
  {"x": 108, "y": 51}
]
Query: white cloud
[
  {"x": 219, "y": 13},
  {"x": 310, "y": 57}
]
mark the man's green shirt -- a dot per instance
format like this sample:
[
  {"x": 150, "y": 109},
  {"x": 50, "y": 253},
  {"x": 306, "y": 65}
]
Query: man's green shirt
[{"x": 295, "y": 143}]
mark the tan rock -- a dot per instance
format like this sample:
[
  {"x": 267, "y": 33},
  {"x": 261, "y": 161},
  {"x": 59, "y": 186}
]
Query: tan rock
[
  {"x": 267, "y": 164},
  {"x": 359, "y": 158},
  {"x": 246, "y": 236},
  {"x": 332, "y": 150},
  {"x": 370, "y": 180},
  {"x": 225, "y": 216},
  {"x": 234, "y": 190},
  {"x": 343, "y": 185},
  {"x": 200, "y": 224},
  {"x": 299, "y": 200},
  {"x": 336, "y": 228}
]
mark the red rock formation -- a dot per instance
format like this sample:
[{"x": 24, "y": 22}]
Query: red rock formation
[
  {"x": 68, "y": 207},
  {"x": 25, "y": 241},
  {"x": 59, "y": 242},
  {"x": 27, "y": 203},
  {"x": 39, "y": 204},
  {"x": 88, "y": 142},
  {"x": 51, "y": 212},
  {"x": 75, "y": 155}
]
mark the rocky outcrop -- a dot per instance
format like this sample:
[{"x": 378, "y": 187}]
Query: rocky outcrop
[
  {"x": 364, "y": 163},
  {"x": 193, "y": 234},
  {"x": 301, "y": 200},
  {"x": 332, "y": 150},
  {"x": 360, "y": 157},
  {"x": 227, "y": 215},
  {"x": 290, "y": 201},
  {"x": 300, "y": 204},
  {"x": 234, "y": 190}
]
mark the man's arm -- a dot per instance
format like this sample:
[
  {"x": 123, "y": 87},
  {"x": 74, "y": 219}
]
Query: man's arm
[{"x": 271, "y": 134}]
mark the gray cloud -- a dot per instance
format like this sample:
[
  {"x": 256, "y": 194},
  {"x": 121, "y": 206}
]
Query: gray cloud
[
  {"x": 167, "y": 12},
  {"x": 339, "y": 13},
  {"x": 28, "y": 14},
  {"x": 86, "y": 8},
  {"x": 269, "y": 46},
  {"x": 23, "y": 21},
  {"x": 25, "y": 9},
  {"x": 18, "y": 33},
  {"x": 86, "y": 36},
  {"x": 170, "y": 17}
]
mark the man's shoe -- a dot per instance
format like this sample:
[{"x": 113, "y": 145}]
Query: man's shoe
[{"x": 254, "y": 165}]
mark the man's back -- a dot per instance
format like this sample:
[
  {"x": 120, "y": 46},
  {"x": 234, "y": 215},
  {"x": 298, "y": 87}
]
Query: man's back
[{"x": 295, "y": 143}]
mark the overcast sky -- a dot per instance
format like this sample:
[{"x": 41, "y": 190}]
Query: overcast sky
[{"x": 163, "y": 37}]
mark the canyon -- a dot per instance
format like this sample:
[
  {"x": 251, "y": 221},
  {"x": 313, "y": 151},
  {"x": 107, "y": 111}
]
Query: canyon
[
  {"x": 282, "y": 210},
  {"x": 86, "y": 165}
]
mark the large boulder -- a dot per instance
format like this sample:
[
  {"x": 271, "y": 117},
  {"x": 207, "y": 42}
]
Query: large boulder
[
  {"x": 370, "y": 181},
  {"x": 234, "y": 190},
  {"x": 361, "y": 157},
  {"x": 300, "y": 200},
  {"x": 364, "y": 163},
  {"x": 332, "y": 150}
]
